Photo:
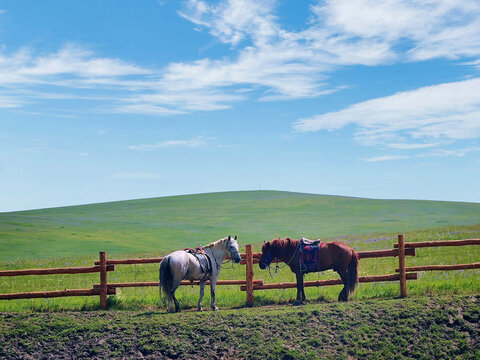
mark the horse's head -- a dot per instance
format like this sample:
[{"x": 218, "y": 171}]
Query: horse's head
[
  {"x": 266, "y": 258},
  {"x": 232, "y": 247}
]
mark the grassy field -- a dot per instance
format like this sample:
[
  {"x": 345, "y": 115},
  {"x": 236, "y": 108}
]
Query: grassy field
[
  {"x": 451, "y": 282},
  {"x": 440, "y": 327},
  {"x": 439, "y": 320},
  {"x": 73, "y": 236},
  {"x": 164, "y": 224}
]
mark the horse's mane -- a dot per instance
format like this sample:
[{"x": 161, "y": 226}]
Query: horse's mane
[
  {"x": 283, "y": 244},
  {"x": 215, "y": 243}
]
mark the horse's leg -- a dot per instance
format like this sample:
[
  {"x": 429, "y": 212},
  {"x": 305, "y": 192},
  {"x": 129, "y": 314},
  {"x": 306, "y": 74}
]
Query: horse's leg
[
  {"x": 170, "y": 299},
  {"x": 213, "y": 282},
  {"x": 175, "y": 284},
  {"x": 169, "y": 304},
  {"x": 177, "y": 305},
  {"x": 343, "y": 296},
  {"x": 202, "y": 292},
  {"x": 304, "y": 297},
  {"x": 300, "y": 290}
]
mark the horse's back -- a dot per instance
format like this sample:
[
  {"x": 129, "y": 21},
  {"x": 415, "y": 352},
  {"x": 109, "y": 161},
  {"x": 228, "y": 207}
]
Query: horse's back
[
  {"x": 337, "y": 252},
  {"x": 338, "y": 246},
  {"x": 185, "y": 265}
]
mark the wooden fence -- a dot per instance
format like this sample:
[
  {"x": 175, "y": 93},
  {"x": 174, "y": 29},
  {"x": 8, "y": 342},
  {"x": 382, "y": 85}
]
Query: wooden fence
[
  {"x": 401, "y": 253},
  {"x": 401, "y": 250},
  {"x": 249, "y": 285},
  {"x": 101, "y": 291}
]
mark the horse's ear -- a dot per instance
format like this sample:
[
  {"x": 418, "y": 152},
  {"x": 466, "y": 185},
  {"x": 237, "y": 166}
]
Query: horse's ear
[
  {"x": 229, "y": 237},
  {"x": 235, "y": 237}
]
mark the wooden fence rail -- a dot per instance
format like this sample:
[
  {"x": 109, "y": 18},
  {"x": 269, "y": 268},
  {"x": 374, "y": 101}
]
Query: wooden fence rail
[
  {"x": 442, "y": 267},
  {"x": 249, "y": 285},
  {"x": 101, "y": 291},
  {"x": 184, "y": 283},
  {"x": 361, "y": 254},
  {"x": 53, "y": 271},
  {"x": 401, "y": 250},
  {"x": 423, "y": 244},
  {"x": 362, "y": 279},
  {"x": 57, "y": 293}
]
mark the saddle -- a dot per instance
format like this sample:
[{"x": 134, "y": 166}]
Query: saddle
[
  {"x": 309, "y": 255},
  {"x": 309, "y": 242},
  {"x": 203, "y": 259}
]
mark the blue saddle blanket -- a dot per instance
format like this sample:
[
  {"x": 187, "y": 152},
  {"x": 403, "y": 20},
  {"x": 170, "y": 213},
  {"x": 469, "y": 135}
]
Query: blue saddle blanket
[{"x": 309, "y": 255}]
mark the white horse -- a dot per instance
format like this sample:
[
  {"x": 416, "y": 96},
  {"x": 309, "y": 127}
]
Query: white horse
[{"x": 181, "y": 265}]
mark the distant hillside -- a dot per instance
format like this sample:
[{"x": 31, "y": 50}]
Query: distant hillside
[{"x": 167, "y": 223}]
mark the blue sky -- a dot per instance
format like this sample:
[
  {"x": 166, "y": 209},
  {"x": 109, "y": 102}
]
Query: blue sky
[{"x": 112, "y": 100}]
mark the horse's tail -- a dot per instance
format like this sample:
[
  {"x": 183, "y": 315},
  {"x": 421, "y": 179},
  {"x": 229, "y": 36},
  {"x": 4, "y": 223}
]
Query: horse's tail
[
  {"x": 352, "y": 273},
  {"x": 165, "y": 277}
]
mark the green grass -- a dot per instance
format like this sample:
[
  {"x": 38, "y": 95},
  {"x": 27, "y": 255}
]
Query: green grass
[
  {"x": 439, "y": 320},
  {"x": 451, "y": 282},
  {"x": 164, "y": 224},
  {"x": 440, "y": 327},
  {"x": 72, "y": 236}
]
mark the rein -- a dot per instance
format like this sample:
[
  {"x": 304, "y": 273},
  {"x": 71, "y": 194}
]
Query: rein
[
  {"x": 230, "y": 260},
  {"x": 226, "y": 262},
  {"x": 277, "y": 267}
]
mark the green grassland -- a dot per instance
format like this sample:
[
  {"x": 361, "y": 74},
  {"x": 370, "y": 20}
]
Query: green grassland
[
  {"x": 439, "y": 320},
  {"x": 164, "y": 224},
  {"x": 72, "y": 236},
  {"x": 440, "y": 327}
]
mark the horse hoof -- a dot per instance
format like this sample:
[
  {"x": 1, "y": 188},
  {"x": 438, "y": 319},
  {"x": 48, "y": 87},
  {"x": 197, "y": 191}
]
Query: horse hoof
[
  {"x": 215, "y": 308},
  {"x": 296, "y": 303},
  {"x": 200, "y": 309}
]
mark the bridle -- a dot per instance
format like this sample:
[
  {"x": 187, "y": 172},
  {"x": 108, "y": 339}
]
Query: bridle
[
  {"x": 277, "y": 267},
  {"x": 230, "y": 249}
]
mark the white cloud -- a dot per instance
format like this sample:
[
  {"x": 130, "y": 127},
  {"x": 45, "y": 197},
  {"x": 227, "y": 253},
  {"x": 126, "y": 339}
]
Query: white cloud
[
  {"x": 455, "y": 152},
  {"x": 445, "y": 112},
  {"x": 288, "y": 65},
  {"x": 441, "y": 28},
  {"x": 147, "y": 109},
  {"x": 195, "y": 142},
  {"x": 183, "y": 100},
  {"x": 475, "y": 63},
  {"x": 412, "y": 146},
  {"x": 23, "y": 67},
  {"x": 234, "y": 20},
  {"x": 267, "y": 61},
  {"x": 9, "y": 102},
  {"x": 385, "y": 158},
  {"x": 77, "y": 61}
]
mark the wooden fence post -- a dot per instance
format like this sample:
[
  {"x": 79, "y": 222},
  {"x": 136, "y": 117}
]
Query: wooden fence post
[
  {"x": 103, "y": 280},
  {"x": 402, "y": 268},
  {"x": 249, "y": 274}
]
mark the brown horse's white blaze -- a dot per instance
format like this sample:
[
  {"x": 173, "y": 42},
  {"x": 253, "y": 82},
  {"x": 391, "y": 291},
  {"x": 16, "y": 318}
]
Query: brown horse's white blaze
[{"x": 334, "y": 255}]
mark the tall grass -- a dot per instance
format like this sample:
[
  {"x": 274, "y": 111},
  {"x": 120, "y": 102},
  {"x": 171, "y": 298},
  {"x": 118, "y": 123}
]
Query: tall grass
[{"x": 428, "y": 283}]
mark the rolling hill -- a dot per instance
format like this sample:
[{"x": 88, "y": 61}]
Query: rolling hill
[{"x": 162, "y": 224}]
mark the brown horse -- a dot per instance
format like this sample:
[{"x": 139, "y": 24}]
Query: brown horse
[{"x": 333, "y": 255}]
